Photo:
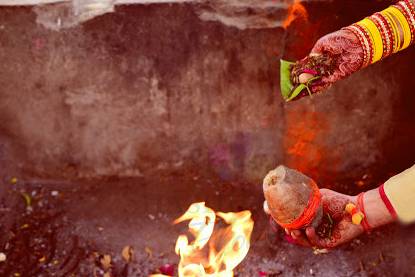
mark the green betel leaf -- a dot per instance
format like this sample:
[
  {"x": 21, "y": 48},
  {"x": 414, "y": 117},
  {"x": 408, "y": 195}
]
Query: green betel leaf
[
  {"x": 285, "y": 78},
  {"x": 296, "y": 91}
]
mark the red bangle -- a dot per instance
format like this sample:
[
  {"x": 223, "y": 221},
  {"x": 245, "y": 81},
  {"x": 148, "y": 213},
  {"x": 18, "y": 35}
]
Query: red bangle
[
  {"x": 365, "y": 223},
  {"x": 386, "y": 201}
]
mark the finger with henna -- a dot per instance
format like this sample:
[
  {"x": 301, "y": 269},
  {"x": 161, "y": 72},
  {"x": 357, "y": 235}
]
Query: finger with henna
[
  {"x": 315, "y": 239},
  {"x": 300, "y": 238}
]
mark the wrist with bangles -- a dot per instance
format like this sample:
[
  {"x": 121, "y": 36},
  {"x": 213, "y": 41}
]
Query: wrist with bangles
[{"x": 374, "y": 209}]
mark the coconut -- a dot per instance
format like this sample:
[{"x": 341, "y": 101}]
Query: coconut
[{"x": 288, "y": 193}]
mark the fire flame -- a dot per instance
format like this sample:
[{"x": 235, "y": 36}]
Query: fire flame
[
  {"x": 213, "y": 254},
  {"x": 294, "y": 11}
]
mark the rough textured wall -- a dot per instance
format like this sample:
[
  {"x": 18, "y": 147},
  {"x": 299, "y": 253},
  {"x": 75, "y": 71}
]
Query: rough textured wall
[{"x": 153, "y": 87}]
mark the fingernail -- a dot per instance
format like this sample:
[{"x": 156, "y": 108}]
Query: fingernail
[{"x": 266, "y": 208}]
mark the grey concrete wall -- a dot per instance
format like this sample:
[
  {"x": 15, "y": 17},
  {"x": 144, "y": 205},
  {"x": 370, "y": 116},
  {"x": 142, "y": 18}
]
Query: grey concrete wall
[{"x": 153, "y": 88}]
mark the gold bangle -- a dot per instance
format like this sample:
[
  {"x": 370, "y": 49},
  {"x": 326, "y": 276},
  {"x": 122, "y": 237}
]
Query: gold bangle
[
  {"x": 375, "y": 37},
  {"x": 405, "y": 26},
  {"x": 395, "y": 30}
]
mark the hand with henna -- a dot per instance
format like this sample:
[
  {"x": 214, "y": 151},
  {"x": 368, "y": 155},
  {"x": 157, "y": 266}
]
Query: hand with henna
[
  {"x": 342, "y": 229},
  {"x": 341, "y": 53},
  {"x": 333, "y": 57}
]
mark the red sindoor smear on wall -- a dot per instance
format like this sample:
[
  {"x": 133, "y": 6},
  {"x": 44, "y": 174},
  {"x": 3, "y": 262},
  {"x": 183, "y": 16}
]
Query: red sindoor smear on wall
[{"x": 305, "y": 147}]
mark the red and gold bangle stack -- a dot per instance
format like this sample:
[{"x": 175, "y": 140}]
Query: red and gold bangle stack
[
  {"x": 388, "y": 38},
  {"x": 407, "y": 7},
  {"x": 386, "y": 32}
]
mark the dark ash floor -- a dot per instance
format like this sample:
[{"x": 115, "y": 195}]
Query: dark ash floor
[{"x": 72, "y": 224}]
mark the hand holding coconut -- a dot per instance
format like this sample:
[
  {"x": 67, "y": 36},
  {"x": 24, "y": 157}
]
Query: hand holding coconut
[
  {"x": 322, "y": 218},
  {"x": 337, "y": 226}
]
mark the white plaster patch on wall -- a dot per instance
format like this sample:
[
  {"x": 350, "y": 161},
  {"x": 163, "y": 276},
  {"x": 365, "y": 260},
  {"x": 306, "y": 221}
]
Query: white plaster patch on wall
[
  {"x": 117, "y": 2},
  {"x": 242, "y": 14},
  {"x": 246, "y": 14}
]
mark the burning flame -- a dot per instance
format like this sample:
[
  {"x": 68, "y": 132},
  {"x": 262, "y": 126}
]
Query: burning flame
[
  {"x": 294, "y": 11},
  {"x": 213, "y": 254}
]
